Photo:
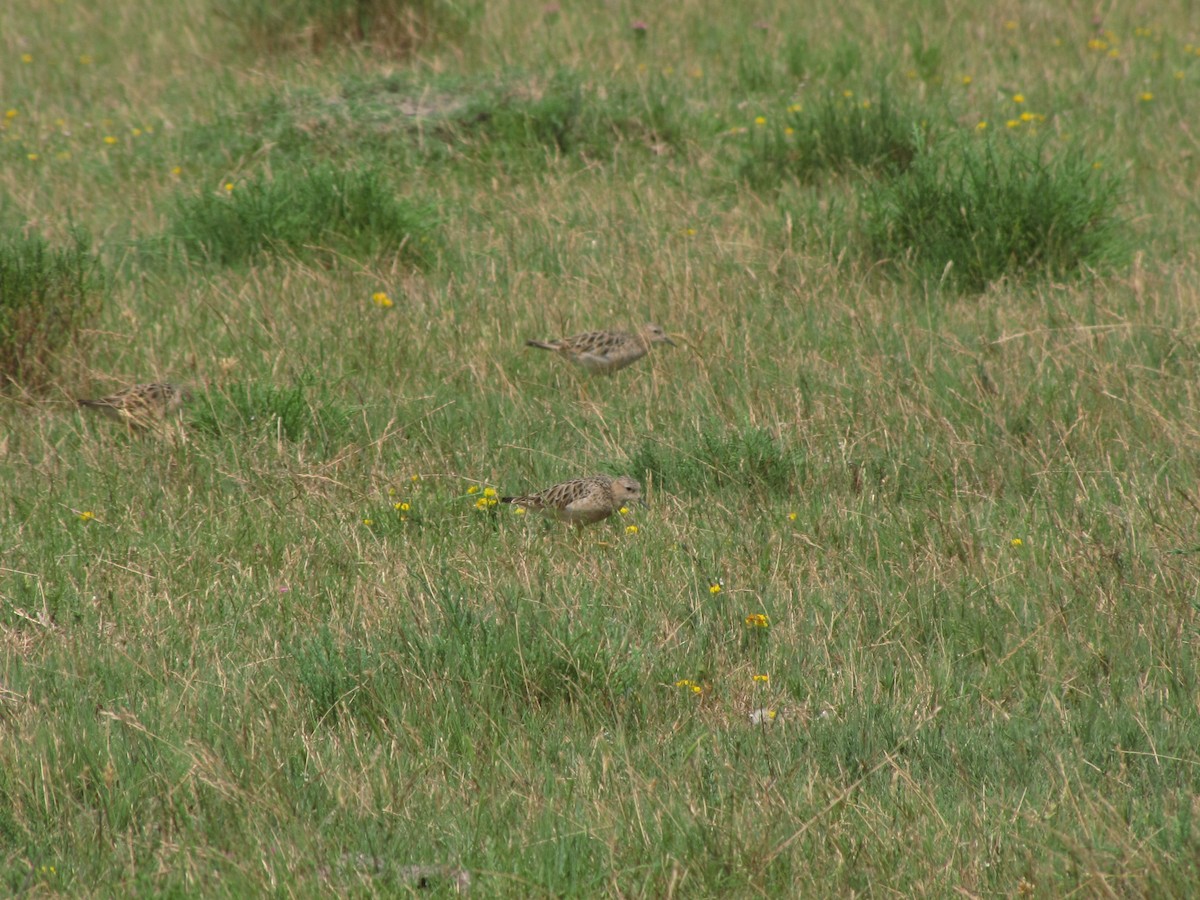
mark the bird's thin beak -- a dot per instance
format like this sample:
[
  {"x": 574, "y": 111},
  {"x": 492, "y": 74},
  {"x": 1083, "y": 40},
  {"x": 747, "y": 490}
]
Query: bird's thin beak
[{"x": 667, "y": 340}]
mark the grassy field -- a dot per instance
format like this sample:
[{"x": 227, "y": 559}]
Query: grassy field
[{"x": 913, "y": 606}]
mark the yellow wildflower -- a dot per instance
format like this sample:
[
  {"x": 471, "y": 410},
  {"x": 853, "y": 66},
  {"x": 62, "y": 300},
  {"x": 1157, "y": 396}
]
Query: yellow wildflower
[
  {"x": 760, "y": 120},
  {"x": 791, "y": 517},
  {"x": 368, "y": 522},
  {"x": 473, "y": 489},
  {"x": 967, "y": 79},
  {"x": 1146, "y": 97},
  {"x": 1013, "y": 123},
  {"x": 87, "y": 515},
  {"x": 26, "y": 57},
  {"x": 758, "y": 620},
  {"x": 228, "y": 187},
  {"x": 1018, "y": 98},
  {"x": 763, "y": 678},
  {"x": 382, "y": 300},
  {"x": 714, "y": 589},
  {"x": 631, "y": 529},
  {"x": 489, "y": 492},
  {"x": 981, "y": 126},
  {"x": 400, "y": 507},
  {"x": 109, "y": 139},
  {"x": 1016, "y": 542}
]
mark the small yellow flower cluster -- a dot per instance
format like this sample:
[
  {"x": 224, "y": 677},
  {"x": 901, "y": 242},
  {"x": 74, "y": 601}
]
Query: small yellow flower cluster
[
  {"x": 631, "y": 529},
  {"x": 688, "y": 683},
  {"x": 1146, "y": 96},
  {"x": 758, "y": 620},
  {"x": 368, "y": 522},
  {"x": 1023, "y": 118},
  {"x": 624, "y": 510},
  {"x": 791, "y": 517},
  {"x": 760, "y": 121},
  {"x": 87, "y": 515},
  {"x": 382, "y": 300},
  {"x": 487, "y": 501},
  {"x": 714, "y": 589},
  {"x": 763, "y": 679},
  {"x": 1016, "y": 542}
]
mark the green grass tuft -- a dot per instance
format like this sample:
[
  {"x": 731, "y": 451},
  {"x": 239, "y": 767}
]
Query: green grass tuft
[
  {"x": 47, "y": 296},
  {"x": 301, "y": 213},
  {"x": 268, "y": 410},
  {"x": 977, "y": 211},
  {"x": 837, "y": 134},
  {"x": 399, "y": 26},
  {"x": 751, "y": 457}
]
